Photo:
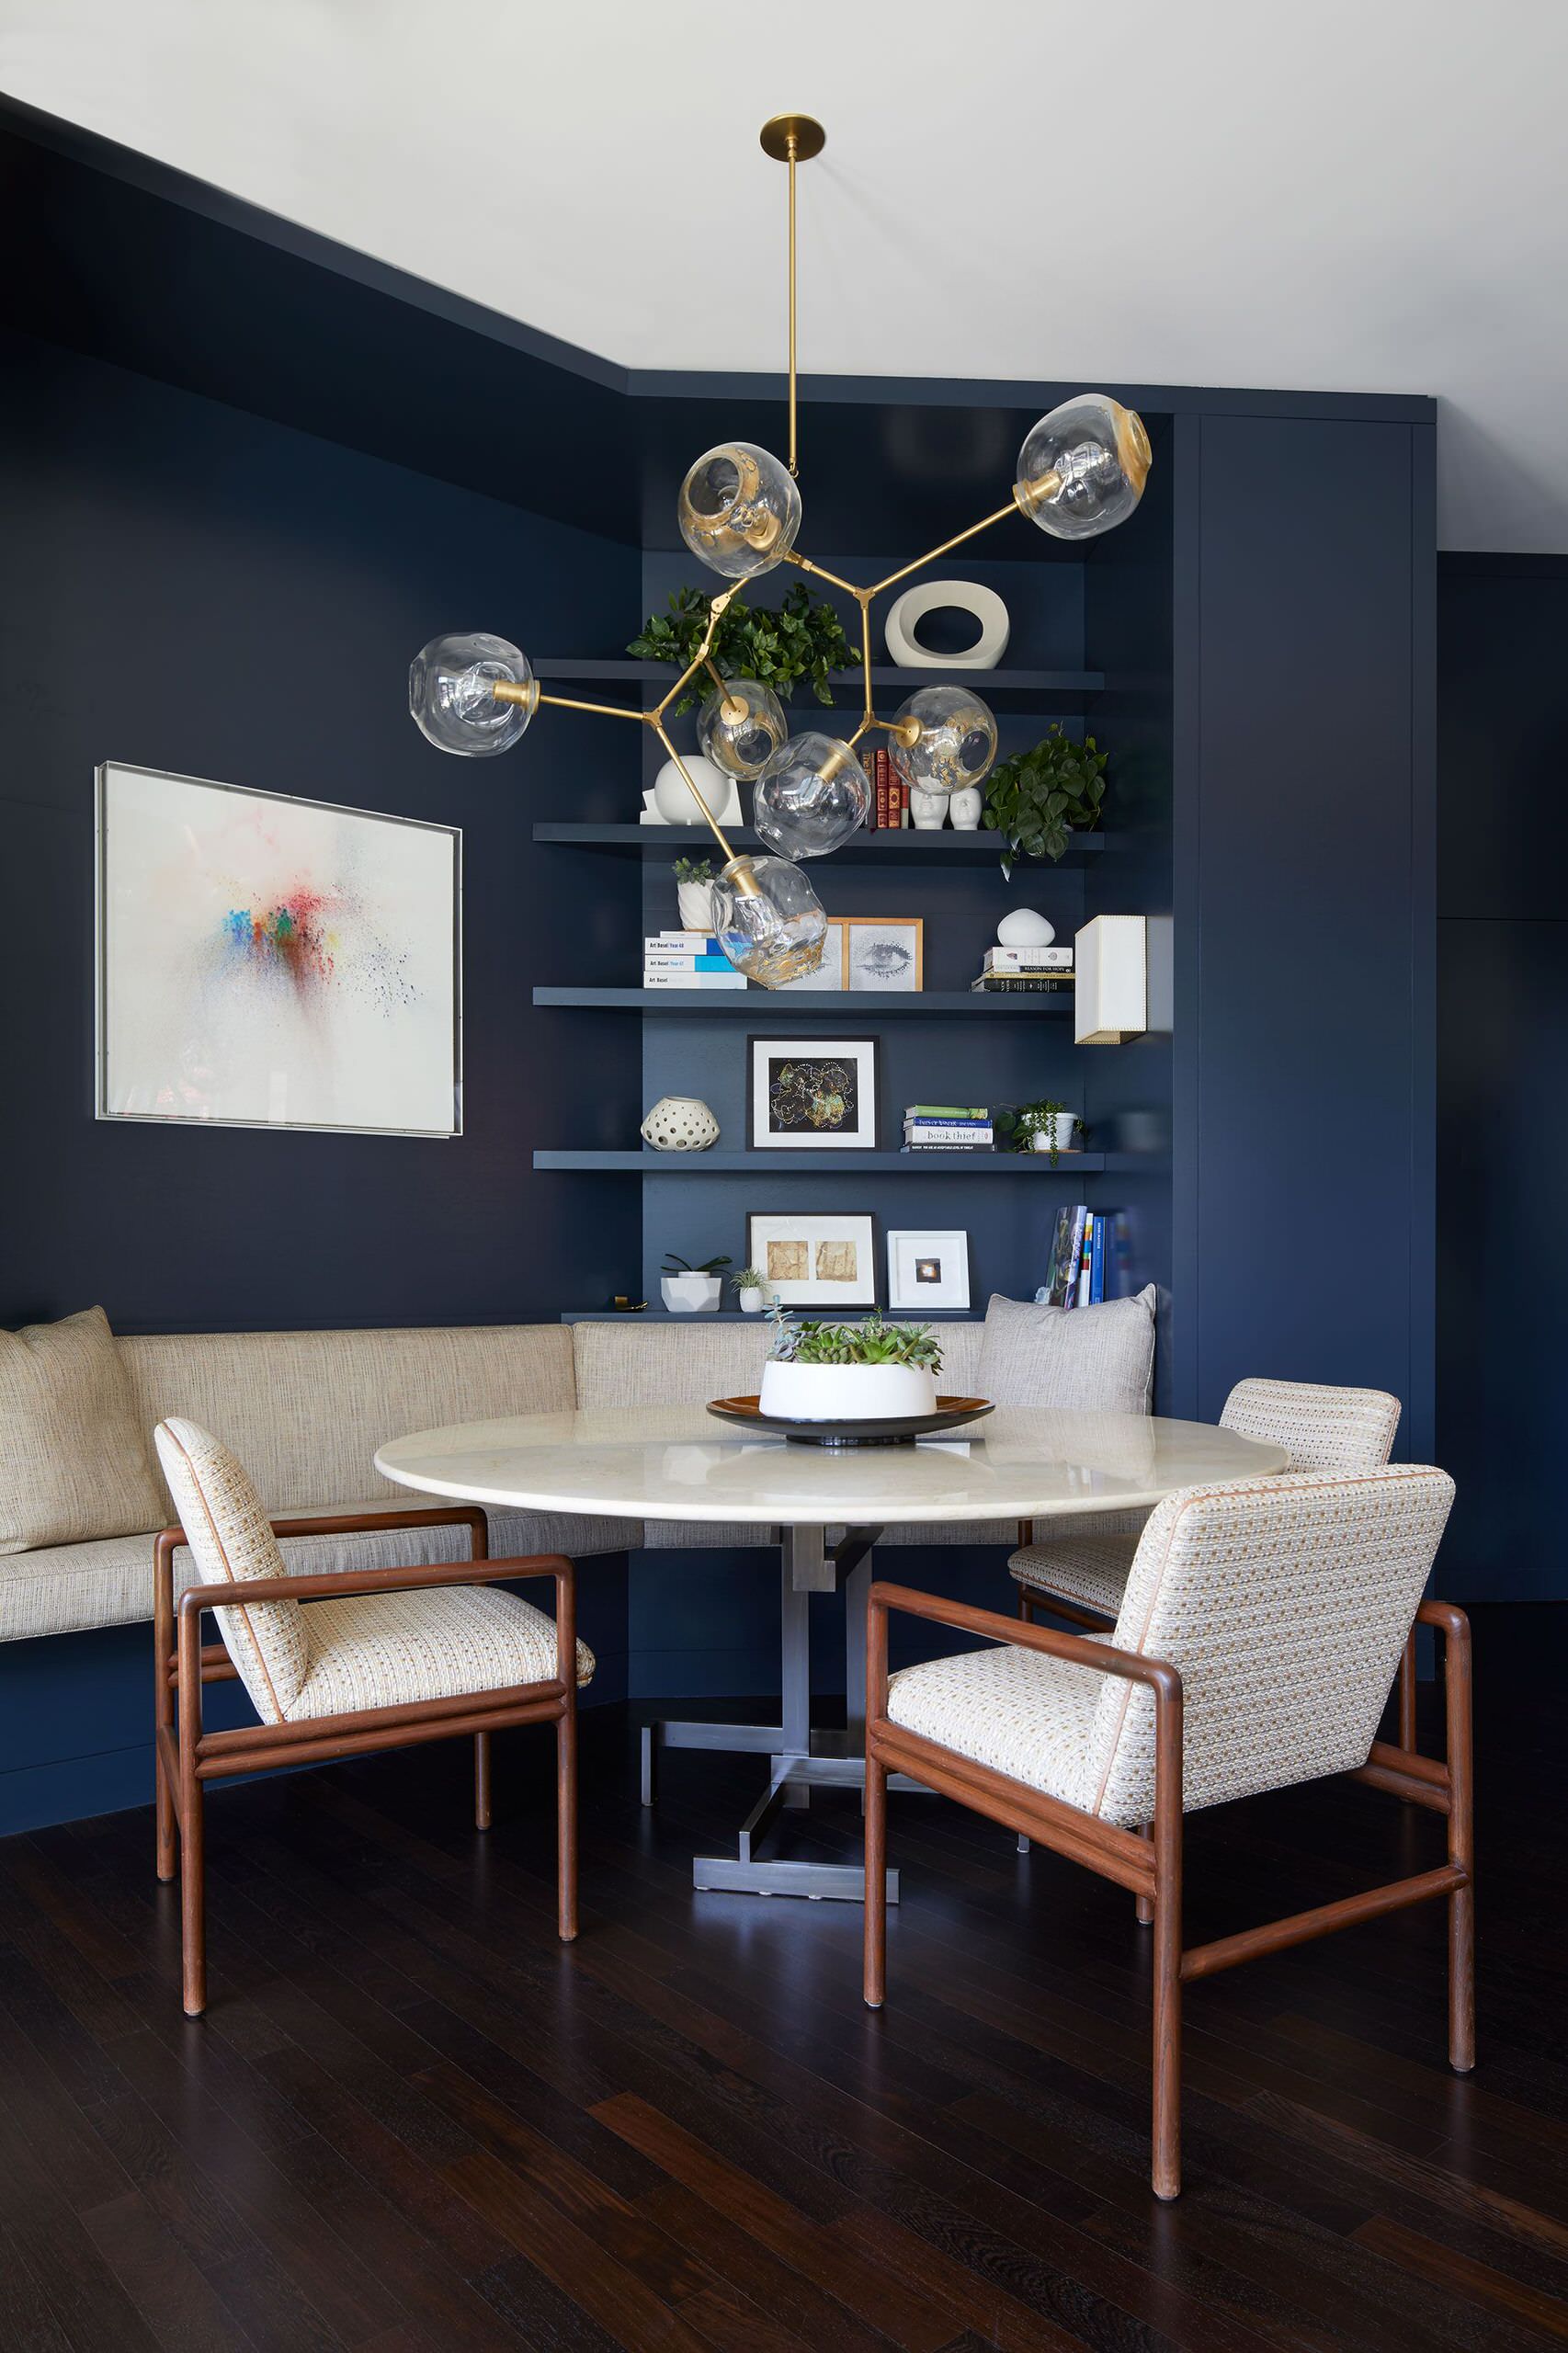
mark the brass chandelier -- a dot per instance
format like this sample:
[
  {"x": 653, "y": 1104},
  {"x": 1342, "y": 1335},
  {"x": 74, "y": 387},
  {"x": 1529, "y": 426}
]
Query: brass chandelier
[{"x": 1081, "y": 470}]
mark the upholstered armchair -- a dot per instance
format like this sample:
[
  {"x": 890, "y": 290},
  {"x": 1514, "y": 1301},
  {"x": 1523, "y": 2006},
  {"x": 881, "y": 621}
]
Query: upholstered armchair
[
  {"x": 1256, "y": 1642},
  {"x": 341, "y": 1665}
]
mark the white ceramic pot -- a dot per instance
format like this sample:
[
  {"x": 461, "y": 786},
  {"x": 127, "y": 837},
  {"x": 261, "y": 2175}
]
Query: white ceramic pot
[
  {"x": 691, "y": 1294},
  {"x": 928, "y": 809},
  {"x": 964, "y": 807},
  {"x": 750, "y": 1301},
  {"x": 679, "y": 1123},
  {"x": 847, "y": 1393},
  {"x": 672, "y": 795},
  {"x": 1067, "y": 1126},
  {"x": 695, "y": 906}
]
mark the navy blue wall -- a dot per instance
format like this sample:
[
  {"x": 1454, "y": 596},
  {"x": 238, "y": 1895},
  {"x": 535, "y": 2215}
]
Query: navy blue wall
[{"x": 1503, "y": 1093}]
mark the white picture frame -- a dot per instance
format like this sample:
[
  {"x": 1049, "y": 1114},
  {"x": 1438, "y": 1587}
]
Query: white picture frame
[
  {"x": 927, "y": 1267},
  {"x": 812, "y": 1093},
  {"x": 269, "y": 962},
  {"x": 836, "y": 1255}
]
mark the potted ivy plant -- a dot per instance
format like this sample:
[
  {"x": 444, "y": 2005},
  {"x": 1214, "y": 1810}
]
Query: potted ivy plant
[
  {"x": 1040, "y": 797},
  {"x": 803, "y": 638},
  {"x": 750, "y": 1289},
  {"x": 838, "y": 1372},
  {"x": 694, "y": 889},
  {"x": 692, "y": 1291},
  {"x": 1046, "y": 1126}
]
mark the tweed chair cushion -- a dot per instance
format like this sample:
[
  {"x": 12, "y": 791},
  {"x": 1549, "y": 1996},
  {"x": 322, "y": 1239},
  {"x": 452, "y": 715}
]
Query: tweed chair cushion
[
  {"x": 384, "y": 1649},
  {"x": 1320, "y": 1428},
  {"x": 1284, "y": 1603},
  {"x": 1025, "y": 1715},
  {"x": 230, "y": 1542}
]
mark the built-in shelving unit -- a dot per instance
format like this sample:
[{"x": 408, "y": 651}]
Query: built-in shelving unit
[
  {"x": 728, "y": 1315},
  {"x": 1034, "y": 1166},
  {"x": 946, "y": 847},
  {"x": 815, "y": 1005}
]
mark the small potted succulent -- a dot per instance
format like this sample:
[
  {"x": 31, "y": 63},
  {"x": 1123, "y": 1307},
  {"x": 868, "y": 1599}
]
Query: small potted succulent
[
  {"x": 692, "y": 1291},
  {"x": 694, "y": 889},
  {"x": 838, "y": 1372},
  {"x": 750, "y": 1287},
  {"x": 1046, "y": 1126}
]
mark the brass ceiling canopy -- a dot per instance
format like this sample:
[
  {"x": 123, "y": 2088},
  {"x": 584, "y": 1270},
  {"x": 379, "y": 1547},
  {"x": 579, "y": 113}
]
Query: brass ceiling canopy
[{"x": 1081, "y": 470}]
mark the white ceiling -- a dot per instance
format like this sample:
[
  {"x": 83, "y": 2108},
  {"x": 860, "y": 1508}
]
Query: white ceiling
[{"x": 1363, "y": 195}]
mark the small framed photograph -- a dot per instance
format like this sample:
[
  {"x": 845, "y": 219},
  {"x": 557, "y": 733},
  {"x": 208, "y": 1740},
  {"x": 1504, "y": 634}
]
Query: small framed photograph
[
  {"x": 815, "y": 1261},
  {"x": 885, "y": 952},
  {"x": 812, "y": 1095},
  {"x": 832, "y": 975},
  {"x": 929, "y": 1268}
]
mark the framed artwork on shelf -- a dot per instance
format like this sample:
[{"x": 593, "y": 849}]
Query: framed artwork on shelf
[
  {"x": 265, "y": 962},
  {"x": 815, "y": 1261},
  {"x": 885, "y": 952},
  {"x": 812, "y": 1093},
  {"x": 832, "y": 975},
  {"x": 929, "y": 1268}
]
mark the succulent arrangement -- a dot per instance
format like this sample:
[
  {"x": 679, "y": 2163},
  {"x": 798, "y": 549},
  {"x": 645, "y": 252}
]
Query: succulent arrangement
[
  {"x": 1040, "y": 798},
  {"x": 871, "y": 1342},
  {"x": 804, "y": 638},
  {"x": 694, "y": 869}
]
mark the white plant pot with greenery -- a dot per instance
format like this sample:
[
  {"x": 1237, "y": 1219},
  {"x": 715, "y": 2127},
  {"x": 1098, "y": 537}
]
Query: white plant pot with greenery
[
  {"x": 851, "y": 1372},
  {"x": 1065, "y": 1138},
  {"x": 691, "y": 1294},
  {"x": 695, "y": 906},
  {"x": 750, "y": 1291}
]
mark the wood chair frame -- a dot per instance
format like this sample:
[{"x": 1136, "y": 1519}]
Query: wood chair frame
[
  {"x": 1150, "y": 1866},
  {"x": 187, "y": 1757}
]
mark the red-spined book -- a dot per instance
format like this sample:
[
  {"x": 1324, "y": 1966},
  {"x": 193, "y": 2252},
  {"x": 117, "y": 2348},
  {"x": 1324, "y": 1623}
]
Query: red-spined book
[{"x": 879, "y": 789}]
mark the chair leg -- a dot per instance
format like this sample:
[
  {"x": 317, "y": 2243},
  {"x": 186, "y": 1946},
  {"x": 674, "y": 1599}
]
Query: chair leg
[
  {"x": 482, "y": 1781},
  {"x": 566, "y": 1820},
  {"x": 1462, "y": 1847},
  {"x": 1166, "y": 2168},
  {"x": 168, "y": 1826},
  {"x": 1144, "y": 1903},
  {"x": 1407, "y": 1693},
  {"x": 193, "y": 1899},
  {"x": 1026, "y": 1611},
  {"x": 876, "y": 1904}
]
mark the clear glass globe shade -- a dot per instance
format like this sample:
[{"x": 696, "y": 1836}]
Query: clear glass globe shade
[
  {"x": 811, "y": 796},
  {"x": 741, "y": 726},
  {"x": 769, "y": 920},
  {"x": 739, "y": 510},
  {"x": 957, "y": 742},
  {"x": 450, "y": 697},
  {"x": 1082, "y": 469}
]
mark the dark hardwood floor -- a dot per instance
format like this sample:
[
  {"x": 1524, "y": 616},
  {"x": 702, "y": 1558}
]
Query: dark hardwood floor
[{"x": 411, "y": 2120}]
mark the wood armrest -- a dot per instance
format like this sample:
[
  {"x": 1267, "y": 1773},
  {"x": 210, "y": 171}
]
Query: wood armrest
[
  {"x": 1162, "y": 1678},
  {"x": 337, "y": 1583},
  {"x": 341, "y": 1523}
]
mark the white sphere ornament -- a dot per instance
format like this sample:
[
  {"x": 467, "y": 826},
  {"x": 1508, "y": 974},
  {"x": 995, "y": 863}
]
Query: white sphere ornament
[
  {"x": 671, "y": 794},
  {"x": 680, "y": 1123},
  {"x": 1024, "y": 928}
]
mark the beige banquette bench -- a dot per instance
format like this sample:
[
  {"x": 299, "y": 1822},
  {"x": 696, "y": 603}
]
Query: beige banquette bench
[{"x": 306, "y": 1411}]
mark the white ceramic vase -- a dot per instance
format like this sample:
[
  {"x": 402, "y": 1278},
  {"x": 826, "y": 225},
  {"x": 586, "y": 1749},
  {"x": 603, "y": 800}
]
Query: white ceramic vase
[
  {"x": 847, "y": 1393},
  {"x": 928, "y": 809},
  {"x": 695, "y": 906},
  {"x": 679, "y": 1123},
  {"x": 964, "y": 807},
  {"x": 691, "y": 1294}
]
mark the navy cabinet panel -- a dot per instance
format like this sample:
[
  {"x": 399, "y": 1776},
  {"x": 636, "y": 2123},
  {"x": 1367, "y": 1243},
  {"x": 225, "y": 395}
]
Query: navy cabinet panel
[{"x": 1303, "y": 783}]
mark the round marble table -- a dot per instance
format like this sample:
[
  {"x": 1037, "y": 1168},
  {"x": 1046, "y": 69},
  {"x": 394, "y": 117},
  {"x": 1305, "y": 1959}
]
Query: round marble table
[{"x": 678, "y": 1462}]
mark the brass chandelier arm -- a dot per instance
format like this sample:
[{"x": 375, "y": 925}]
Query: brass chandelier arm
[
  {"x": 603, "y": 710},
  {"x": 716, "y": 612},
  {"x": 1001, "y": 515},
  {"x": 820, "y": 571},
  {"x": 659, "y": 729},
  {"x": 792, "y": 152}
]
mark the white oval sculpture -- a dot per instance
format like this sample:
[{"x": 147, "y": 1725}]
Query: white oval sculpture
[
  {"x": 1024, "y": 928},
  {"x": 930, "y": 597}
]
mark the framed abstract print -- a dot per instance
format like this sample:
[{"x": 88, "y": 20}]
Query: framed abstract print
[
  {"x": 815, "y": 1261},
  {"x": 812, "y": 1093}
]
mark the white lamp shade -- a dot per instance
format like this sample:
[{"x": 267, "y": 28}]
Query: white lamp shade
[{"x": 1111, "y": 970}]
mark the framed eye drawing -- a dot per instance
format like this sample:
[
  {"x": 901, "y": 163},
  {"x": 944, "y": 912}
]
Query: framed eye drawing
[{"x": 885, "y": 952}]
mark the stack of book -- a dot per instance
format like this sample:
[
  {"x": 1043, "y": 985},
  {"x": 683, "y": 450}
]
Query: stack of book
[
  {"x": 1075, "y": 1274},
  {"x": 688, "y": 959},
  {"x": 1011, "y": 968},
  {"x": 947, "y": 1127},
  {"x": 890, "y": 793}
]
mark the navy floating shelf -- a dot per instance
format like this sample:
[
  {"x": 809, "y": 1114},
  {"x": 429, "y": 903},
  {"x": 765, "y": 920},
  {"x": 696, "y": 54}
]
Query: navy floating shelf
[
  {"x": 727, "y": 1315},
  {"x": 1012, "y": 689},
  {"x": 939, "y": 848},
  {"x": 857, "y": 1004},
  {"x": 820, "y": 1164}
]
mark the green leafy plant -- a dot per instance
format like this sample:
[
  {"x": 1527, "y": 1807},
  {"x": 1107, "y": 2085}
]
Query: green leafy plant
[
  {"x": 1023, "y": 1121},
  {"x": 804, "y": 638},
  {"x": 749, "y": 1279},
  {"x": 872, "y": 1342},
  {"x": 674, "y": 1265},
  {"x": 1040, "y": 798},
  {"x": 694, "y": 869}
]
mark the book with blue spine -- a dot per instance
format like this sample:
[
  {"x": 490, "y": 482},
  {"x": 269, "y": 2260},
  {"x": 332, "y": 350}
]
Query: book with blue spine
[{"x": 1096, "y": 1263}]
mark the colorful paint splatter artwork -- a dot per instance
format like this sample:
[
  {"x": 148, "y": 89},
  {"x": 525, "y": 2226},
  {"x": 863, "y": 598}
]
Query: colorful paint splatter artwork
[{"x": 267, "y": 960}]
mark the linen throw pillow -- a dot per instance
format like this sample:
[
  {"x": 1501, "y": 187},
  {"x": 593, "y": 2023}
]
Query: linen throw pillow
[
  {"x": 74, "y": 1461},
  {"x": 1091, "y": 1359}
]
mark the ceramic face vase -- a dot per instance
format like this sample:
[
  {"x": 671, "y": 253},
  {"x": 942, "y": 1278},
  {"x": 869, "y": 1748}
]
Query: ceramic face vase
[
  {"x": 964, "y": 807},
  {"x": 928, "y": 809}
]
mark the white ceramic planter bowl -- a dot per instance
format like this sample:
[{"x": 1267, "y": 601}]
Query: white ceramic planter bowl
[
  {"x": 691, "y": 1294},
  {"x": 1066, "y": 1134},
  {"x": 847, "y": 1393}
]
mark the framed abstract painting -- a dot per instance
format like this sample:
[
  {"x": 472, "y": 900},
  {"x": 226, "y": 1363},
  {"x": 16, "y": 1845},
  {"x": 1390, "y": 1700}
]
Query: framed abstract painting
[
  {"x": 265, "y": 962},
  {"x": 814, "y": 1260},
  {"x": 812, "y": 1093}
]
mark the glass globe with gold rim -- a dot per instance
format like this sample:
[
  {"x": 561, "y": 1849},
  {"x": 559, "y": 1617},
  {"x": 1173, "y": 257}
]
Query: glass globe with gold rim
[
  {"x": 739, "y": 510},
  {"x": 451, "y": 697},
  {"x": 953, "y": 743},
  {"x": 1082, "y": 469},
  {"x": 811, "y": 796},
  {"x": 769, "y": 920},
  {"x": 740, "y": 726}
]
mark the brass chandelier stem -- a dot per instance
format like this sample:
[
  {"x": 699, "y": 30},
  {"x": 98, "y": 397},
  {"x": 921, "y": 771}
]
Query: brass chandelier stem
[{"x": 793, "y": 150}]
